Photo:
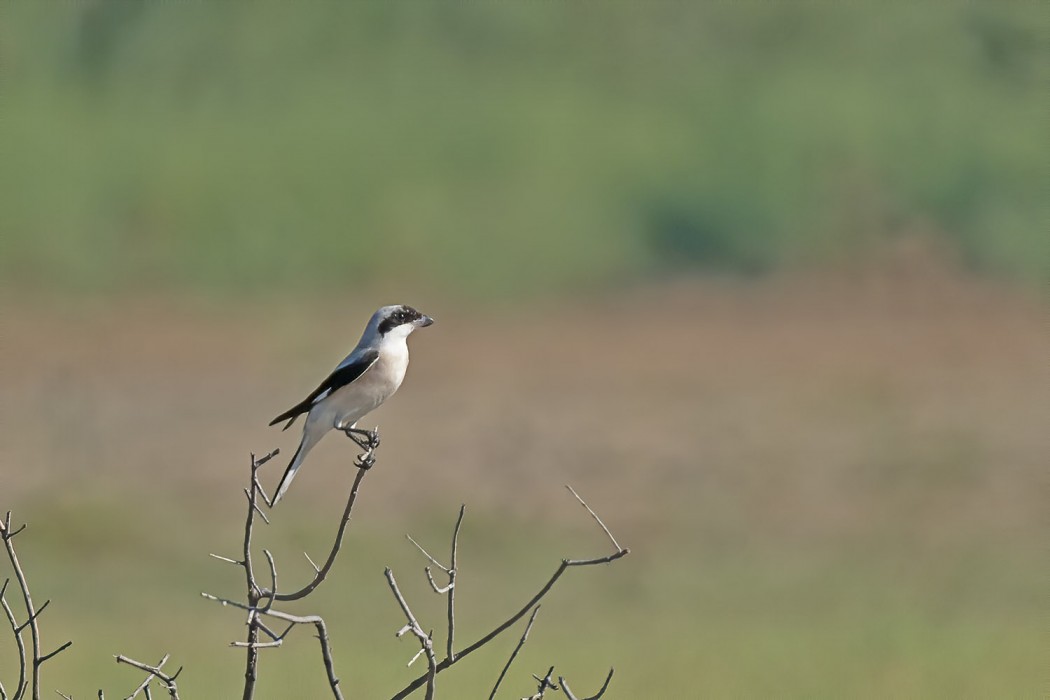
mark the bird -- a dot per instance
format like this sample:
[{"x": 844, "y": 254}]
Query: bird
[{"x": 367, "y": 377}]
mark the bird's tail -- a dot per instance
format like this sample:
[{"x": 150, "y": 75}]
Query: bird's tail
[{"x": 305, "y": 446}]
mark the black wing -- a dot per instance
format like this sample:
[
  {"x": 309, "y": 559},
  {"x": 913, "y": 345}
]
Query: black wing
[{"x": 342, "y": 376}]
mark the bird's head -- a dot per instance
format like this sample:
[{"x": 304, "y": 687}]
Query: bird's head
[{"x": 398, "y": 320}]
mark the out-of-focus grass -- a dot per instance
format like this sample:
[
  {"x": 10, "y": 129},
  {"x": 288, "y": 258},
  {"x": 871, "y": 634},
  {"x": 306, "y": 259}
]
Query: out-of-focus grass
[
  {"x": 508, "y": 149},
  {"x": 827, "y": 492},
  {"x": 864, "y": 619}
]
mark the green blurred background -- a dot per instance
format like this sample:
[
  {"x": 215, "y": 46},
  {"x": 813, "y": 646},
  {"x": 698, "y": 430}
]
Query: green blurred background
[
  {"x": 759, "y": 279},
  {"x": 508, "y": 149}
]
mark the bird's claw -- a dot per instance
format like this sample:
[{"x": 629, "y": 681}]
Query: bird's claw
[{"x": 367, "y": 440}]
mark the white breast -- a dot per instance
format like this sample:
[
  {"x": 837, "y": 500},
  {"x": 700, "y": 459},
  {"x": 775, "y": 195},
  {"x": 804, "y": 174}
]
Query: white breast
[{"x": 378, "y": 383}]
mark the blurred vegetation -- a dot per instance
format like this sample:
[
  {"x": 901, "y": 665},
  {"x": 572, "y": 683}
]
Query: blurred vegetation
[
  {"x": 511, "y": 148},
  {"x": 867, "y": 621}
]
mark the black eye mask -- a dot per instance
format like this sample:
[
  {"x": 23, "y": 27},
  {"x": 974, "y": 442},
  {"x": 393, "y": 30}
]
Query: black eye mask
[{"x": 406, "y": 314}]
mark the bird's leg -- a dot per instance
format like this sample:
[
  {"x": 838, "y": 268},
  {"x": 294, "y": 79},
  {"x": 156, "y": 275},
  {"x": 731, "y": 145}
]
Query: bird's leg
[
  {"x": 367, "y": 440},
  {"x": 361, "y": 441}
]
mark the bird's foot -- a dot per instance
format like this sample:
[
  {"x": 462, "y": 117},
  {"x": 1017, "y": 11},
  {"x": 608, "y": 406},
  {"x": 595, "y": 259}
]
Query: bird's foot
[
  {"x": 367, "y": 440},
  {"x": 365, "y": 461}
]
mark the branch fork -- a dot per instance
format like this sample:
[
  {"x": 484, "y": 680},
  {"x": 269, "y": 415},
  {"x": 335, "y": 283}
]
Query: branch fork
[
  {"x": 261, "y": 599},
  {"x": 532, "y": 605},
  {"x": 29, "y": 660}
]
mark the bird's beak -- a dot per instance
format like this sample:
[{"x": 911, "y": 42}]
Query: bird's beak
[{"x": 425, "y": 321}]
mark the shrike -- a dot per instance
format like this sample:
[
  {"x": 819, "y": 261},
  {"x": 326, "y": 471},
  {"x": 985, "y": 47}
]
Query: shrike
[{"x": 367, "y": 377}]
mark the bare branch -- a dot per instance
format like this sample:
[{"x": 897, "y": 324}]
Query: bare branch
[
  {"x": 545, "y": 683},
  {"x": 32, "y": 613},
  {"x": 322, "y": 573},
  {"x": 144, "y": 686},
  {"x": 450, "y": 589},
  {"x": 426, "y": 554},
  {"x": 55, "y": 653},
  {"x": 226, "y": 559},
  {"x": 5, "y": 527},
  {"x": 259, "y": 645},
  {"x": 20, "y": 688},
  {"x": 326, "y": 656},
  {"x": 34, "y": 616},
  {"x": 425, "y": 640},
  {"x": 256, "y": 506},
  {"x": 7, "y": 534},
  {"x": 257, "y": 594},
  {"x": 168, "y": 680},
  {"x": 316, "y": 620},
  {"x": 450, "y": 652},
  {"x": 265, "y": 458},
  {"x": 273, "y": 577},
  {"x": 251, "y": 661},
  {"x": 521, "y": 643},
  {"x": 568, "y": 691},
  {"x": 594, "y": 515},
  {"x": 273, "y": 635},
  {"x": 499, "y": 629},
  {"x": 433, "y": 584},
  {"x": 418, "y": 654}
]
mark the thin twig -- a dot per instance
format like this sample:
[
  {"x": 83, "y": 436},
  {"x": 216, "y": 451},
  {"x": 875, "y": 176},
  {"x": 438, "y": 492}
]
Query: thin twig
[
  {"x": 34, "y": 616},
  {"x": 251, "y": 661},
  {"x": 562, "y": 568},
  {"x": 452, "y": 571},
  {"x": 7, "y": 534},
  {"x": 257, "y": 593},
  {"x": 273, "y": 635},
  {"x": 168, "y": 680},
  {"x": 433, "y": 584},
  {"x": 259, "y": 645},
  {"x": 521, "y": 643},
  {"x": 450, "y": 590},
  {"x": 545, "y": 683},
  {"x": 322, "y": 573},
  {"x": 316, "y": 620},
  {"x": 256, "y": 506},
  {"x": 55, "y": 653},
  {"x": 226, "y": 559},
  {"x": 425, "y": 640},
  {"x": 32, "y": 613},
  {"x": 149, "y": 678},
  {"x": 273, "y": 577},
  {"x": 326, "y": 657},
  {"x": 594, "y": 515},
  {"x": 568, "y": 691},
  {"x": 21, "y": 687},
  {"x": 426, "y": 554}
]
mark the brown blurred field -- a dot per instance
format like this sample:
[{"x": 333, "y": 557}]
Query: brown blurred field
[{"x": 831, "y": 487}]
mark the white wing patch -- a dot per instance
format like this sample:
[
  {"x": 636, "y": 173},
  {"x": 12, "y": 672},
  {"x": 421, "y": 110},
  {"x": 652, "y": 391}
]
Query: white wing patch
[{"x": 321, "y": 397}]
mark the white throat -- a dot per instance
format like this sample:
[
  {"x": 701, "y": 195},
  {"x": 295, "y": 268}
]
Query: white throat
[{"x": 399, "y": 334}]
